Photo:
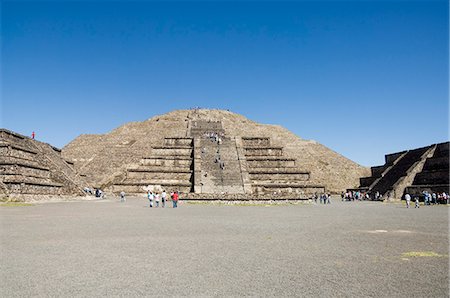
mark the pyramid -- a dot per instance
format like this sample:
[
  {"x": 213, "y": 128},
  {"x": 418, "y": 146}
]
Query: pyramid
[
  {"x": 32, "y": 168},
  {"x": 411, "y": 171},
  {"x": 210, "y": 153}
]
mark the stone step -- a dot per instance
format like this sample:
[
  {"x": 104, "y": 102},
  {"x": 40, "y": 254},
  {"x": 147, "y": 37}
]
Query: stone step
[
  {"x": 167, "y": 162},
  {"x": 9, "y": 161},
  {"x": 24, "y": 171},
  {"x": 270, "y": 163},
  {"x": 18, "y": 179},
  {"x": 432, "y": 177},
  {"x": 276, "y": 171},
  {"x": 19, "y": 152},
  {"x": 158, "y": 169},
  {"x": 279, "y": 176},
  {"x": 173, "y": 147},
  {"x": 263, "y": 151},
  {"x": 182, "y": 152},
  {"x": 284, "y": 185},
  {"x": 141, "y": 188},
  {"x": 178, "y": 142},
  {"x": 255, "y": 141},
  {"x": 186, "y": 176},
  {"x": 154, "y": 182}
]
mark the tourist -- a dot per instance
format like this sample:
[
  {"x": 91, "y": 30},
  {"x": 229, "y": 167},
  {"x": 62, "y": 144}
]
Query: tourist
[
  {"x": 156, "y": 199},
  {"x": 150, "y": 198},
  {"x": 425, "y": 199},
  {"x": 342, "y": 196},
  {"x": 122, "y": 196},
  {"x": 347, "y": 196},
  {"x": 434, "y": 198},
  {"x": 163, "y": 198},
  {"x": 417, "y": 202},
  {"x": 175, "y": 199},
  {"x": 408, "y": 200},
  {"x": 33, "y": 135},
  {"x": 328, "y": 197}
]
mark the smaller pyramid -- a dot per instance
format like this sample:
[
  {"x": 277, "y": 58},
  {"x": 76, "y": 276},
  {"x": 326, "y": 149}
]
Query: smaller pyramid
[
  {"x": 410, "y": 171},
  {"x": 30, "y": 167}
]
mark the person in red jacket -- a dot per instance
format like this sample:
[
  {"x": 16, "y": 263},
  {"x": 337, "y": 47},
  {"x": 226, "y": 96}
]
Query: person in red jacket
[
  {"x": 175, "y": 199},
  {"x": 32, "y": 135}
]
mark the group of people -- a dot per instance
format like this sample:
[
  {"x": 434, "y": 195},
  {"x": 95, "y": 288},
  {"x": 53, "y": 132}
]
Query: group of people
[
  {"x": 219, "y": 161},
  {"x": 325, "y": 198},
  {"x": 154, "y": 198},
  {"x": 98, "y": 192},
  {"x": 214, "y": 136},
  {"x": 428, "y": 199},
  {"x": 356, "y": 195}
]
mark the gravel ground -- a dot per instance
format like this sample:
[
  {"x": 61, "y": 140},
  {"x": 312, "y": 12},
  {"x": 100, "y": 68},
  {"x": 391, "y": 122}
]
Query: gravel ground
[{"x": 108, "y": 248}]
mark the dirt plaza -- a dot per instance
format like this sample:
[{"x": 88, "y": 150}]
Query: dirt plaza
[{"x": 108, "y": 248}]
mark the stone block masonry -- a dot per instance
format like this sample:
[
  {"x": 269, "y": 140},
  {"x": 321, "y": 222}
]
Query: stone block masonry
[{"x": 29, "y": 167}]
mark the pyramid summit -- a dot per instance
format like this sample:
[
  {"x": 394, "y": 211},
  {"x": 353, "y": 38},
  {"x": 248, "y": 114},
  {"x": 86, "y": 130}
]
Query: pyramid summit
[{"x": 203, "y": 151}]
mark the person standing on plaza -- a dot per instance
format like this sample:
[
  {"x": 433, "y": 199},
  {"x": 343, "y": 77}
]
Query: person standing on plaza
[
  {"x": 156, "y": 199},
  {"x": 150, "y": 198},
  {"x": 122, "y": 196},
  {"x": 417, "y": 202},
  {"x": 408, "y": 200},
  {"x": 163, "y": 198},
  {"x": 175, "y": 199}
]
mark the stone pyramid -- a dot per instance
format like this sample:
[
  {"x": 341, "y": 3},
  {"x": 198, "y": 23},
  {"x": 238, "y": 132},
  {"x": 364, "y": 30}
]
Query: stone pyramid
[
  {"x": 410, "y": 171},
  {"x": 208, "y": 153},
  {"x": 32, "y": 168}
]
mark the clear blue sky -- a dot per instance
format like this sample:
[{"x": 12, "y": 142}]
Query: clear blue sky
[{"x": 365, "y": 78}]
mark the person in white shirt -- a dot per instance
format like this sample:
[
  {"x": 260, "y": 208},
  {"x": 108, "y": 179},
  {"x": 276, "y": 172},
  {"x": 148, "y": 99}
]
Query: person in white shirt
[
  {"x": 408, "y": 200},
  {"x": 163, "y": 199}
]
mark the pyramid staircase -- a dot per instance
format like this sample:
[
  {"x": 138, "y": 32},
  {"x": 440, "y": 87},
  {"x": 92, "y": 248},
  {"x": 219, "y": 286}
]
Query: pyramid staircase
[{"x": 217, "y": 166}]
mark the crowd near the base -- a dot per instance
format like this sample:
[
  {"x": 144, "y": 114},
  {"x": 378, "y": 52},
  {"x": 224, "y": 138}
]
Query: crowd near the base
[
  {"x": 428, "y": 199},
  {"x": 357, "y": 196},
  {"x": 325, "y": 198},
  {"x": 154, "y": 199}
]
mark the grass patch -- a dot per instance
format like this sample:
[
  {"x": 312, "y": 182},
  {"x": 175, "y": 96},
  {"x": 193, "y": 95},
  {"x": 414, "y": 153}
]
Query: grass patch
[
  {"x": 15, "y": 204},
  {"x": 426, "y": 254}
]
